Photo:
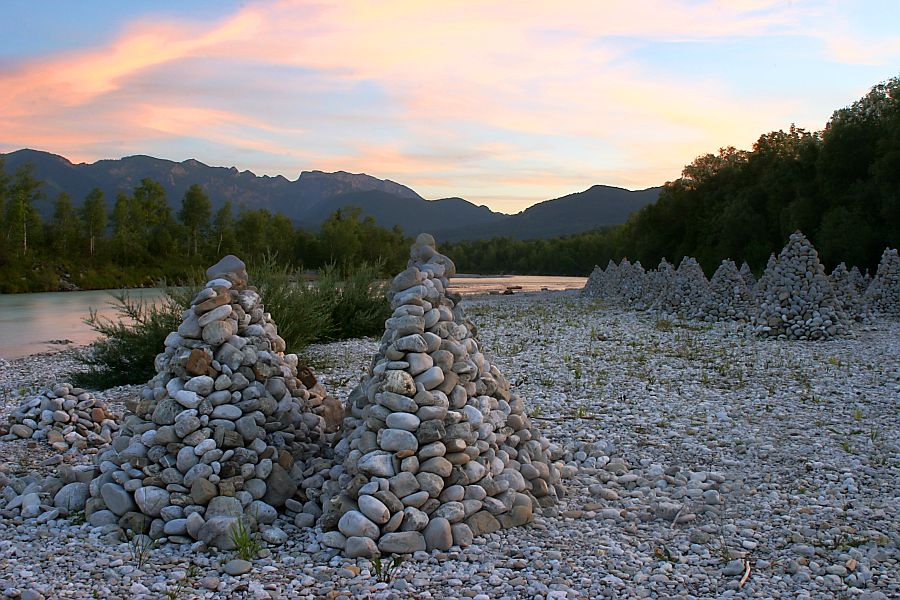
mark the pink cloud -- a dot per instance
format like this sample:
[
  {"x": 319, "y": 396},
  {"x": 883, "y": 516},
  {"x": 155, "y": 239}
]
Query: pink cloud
[{"x": 484, "y": 99}]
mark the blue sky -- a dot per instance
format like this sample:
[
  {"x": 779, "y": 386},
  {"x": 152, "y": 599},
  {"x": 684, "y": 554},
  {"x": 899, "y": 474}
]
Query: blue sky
[{"x": 502, "y": 103}]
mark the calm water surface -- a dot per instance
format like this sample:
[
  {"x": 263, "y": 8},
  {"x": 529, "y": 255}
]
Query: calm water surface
[{"x": 32, "y": 323}]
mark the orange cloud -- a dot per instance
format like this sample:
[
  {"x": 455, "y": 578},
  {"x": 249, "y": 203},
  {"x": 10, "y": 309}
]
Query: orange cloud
[{"x": 484, "y": 99}]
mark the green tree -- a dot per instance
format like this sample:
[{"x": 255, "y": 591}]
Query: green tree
[
  {"x": 195, "y": 213},
  {"x": 65, "y": 224},
  {"x": 223, "y": 231},
  {"x": 22, "y": 218},
  {"x": 127, "y": 223},
  {"x": 93, "y": 215}
]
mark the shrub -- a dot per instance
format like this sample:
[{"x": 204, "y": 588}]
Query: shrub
[
  {"x": 341, "y": 305},
  {"x": 301, "y": 311},
  {"x": 129, "y": 344},
  {"x": 358, "y": 302}
]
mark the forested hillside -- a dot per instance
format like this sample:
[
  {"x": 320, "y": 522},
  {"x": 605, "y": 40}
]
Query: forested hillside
[
  {"x": 840, "y": 186},
  {"x": 136, "y": 239}
]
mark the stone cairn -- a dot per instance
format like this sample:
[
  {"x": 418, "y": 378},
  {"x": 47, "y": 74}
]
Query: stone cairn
[
  {"x": 883, "y": 293},
  {"x": 632, "y": 284},
  {"x": 730, "y": 300},
  {"x": 609, "y": 281},
  {"x": 796, "y": 301},
  {"x": 592, "y": 286},
  {"x": 658, "y": 280},
  {"x": 687, "y": 293},
  {"x": 845, "y": 291},
  {"x": 860, "y": 282},
  {"x": 440, "y": 449},
  {"x": 218, "y": 433},
  {"x": 749, "y": 279},
  {"x": 66, "y": 417}
]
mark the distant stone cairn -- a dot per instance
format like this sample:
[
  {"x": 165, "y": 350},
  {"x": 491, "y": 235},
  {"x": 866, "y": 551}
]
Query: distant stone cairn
[{"x": 796, "y": 300}]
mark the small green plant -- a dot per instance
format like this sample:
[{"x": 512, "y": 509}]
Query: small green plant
[
  {"x": 663, "y": 553},
  {"x": 386, "y": 571},
  {"x": 77, "y": 518},
  {"x": 845, "y": 445},
  {"x": 536, "y": 412},
  {"x": 140, "y": 546},
  {"x": 245, "y": 540},
  {"x": 858, "y": 414},
  {"x": 664, "y": 325},
  {"x": 875, "y": 435}
]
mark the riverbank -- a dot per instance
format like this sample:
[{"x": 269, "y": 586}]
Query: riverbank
[{"x": 700, "y": 452}]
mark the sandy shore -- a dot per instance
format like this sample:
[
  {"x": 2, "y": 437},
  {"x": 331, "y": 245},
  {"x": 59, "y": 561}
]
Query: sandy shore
[{"x": 703, "y": 455}]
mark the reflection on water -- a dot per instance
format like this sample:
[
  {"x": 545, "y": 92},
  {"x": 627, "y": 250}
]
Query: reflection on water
[
  {"x": 522, "y": 283},
  {"x": 29, "y": 323}
]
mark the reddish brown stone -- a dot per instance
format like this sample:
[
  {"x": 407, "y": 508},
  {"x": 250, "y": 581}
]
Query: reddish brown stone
[
  {"x": 286, "y": 460},
  {"x": 211, "y": 303},
  {"x": 307, "y": 377},
  {"x": 333, "y": 413},
  {"x": 198, "y": 362}
]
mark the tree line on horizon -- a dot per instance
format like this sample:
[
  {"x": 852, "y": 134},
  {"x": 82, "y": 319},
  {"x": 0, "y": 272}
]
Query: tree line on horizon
[
  {"x": 136, "y": 239},
  {"x": 840, "y": 186}
]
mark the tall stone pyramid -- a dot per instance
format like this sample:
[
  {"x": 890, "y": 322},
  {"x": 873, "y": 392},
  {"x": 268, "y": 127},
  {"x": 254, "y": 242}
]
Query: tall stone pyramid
[
  {"x": 730, "y": 299},
  {"x": 749, "y": 279},
  {"x": 592, "y": 286},
  {"x": 216, "y": 433},
  {"x": 658, "y": 280},
  {"x": 687, "y": 293},
  {"x": 442, "y": 449},
  {"x": 883, "y": 294},
  {"x": 795, "y": 299},
  {"x": 845, "y": 291},
  {"x": 632, "y": 287},
  {"x": 612, "y": 276},
  {"x": 860, "y": 282}
]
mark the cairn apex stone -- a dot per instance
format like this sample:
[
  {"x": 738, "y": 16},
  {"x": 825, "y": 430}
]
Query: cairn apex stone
[{"x": 231, "y": 268}]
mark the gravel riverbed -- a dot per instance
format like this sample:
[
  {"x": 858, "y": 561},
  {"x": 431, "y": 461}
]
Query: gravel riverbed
[{"x": 710, "y": 464}]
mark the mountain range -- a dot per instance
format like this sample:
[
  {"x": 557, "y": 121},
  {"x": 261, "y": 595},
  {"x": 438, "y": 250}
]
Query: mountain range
[{"x": 314, "y": 195}]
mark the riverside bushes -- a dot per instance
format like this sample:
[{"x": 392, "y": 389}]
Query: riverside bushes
[{"x": 343, "y": 303}]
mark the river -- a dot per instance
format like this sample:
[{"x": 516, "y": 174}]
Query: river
[{"x": 32, "y": 323}]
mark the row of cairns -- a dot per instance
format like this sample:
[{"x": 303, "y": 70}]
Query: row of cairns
[
  {"x": 66, "y": 417},
  {"x": 438, "y": 449},
  {"x": 219, "y": 436},
  {"x": 793, "y": 299}
]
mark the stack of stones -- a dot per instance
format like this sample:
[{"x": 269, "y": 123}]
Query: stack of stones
[
  {"x": 441, "y": 449},
  {"x": 730, "y": 298},
  {"x": 66, "y": 417},
  {"x": 217, "y": 433},
  {"x": 883, "y": 294},
  {"x": 845, "y": 291},
  {"x": 762, "y": 286},
  {"x": 609, "y": 284},
  {"x": 658, "y": 280},
  {"x": 860, "y": 282},
  {"x": 687, "y": 294},
  {"x": 796, "y": 301},
  {"x": 749, "y": 279},
  {"x": 632, "y": 285},
  {"x": 592, "y": 286}
]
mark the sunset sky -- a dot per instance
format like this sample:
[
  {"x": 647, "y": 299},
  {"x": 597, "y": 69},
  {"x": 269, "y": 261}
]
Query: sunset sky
[{"x": 503, "y": 103}]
